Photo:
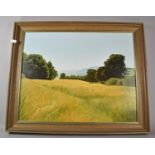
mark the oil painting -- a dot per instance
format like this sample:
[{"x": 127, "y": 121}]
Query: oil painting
[{"x": 78, "y": 77}]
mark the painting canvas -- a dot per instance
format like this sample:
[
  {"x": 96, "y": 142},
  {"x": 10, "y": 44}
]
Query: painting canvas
[{"x": 78, "y": 77}]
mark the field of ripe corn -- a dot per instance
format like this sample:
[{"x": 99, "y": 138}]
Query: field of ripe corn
[{"x": 75, "y": 101}]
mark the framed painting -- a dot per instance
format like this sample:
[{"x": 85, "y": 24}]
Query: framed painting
[{"x": 78, "y": 78}]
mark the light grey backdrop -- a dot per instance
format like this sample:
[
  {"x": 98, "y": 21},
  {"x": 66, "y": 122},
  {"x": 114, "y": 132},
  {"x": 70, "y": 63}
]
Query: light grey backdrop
[{"x": 6, "y": 31}]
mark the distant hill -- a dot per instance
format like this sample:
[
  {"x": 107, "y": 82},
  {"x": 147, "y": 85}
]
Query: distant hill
[{"x": 79, "y": 72}]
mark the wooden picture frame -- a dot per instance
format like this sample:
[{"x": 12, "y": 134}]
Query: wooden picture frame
[{"x": 13, "y": 125}]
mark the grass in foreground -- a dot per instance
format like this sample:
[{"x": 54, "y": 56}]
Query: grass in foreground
[{"x": 75, "y": 101}]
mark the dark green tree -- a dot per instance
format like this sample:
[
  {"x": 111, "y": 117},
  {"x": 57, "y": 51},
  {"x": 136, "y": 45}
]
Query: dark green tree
[
  {"x": 39, "y": 70},
  {"x": 100, "y": 74},
  {"x": 52, "y": 72},
  {"x": 90, "y": 77},
  {"x": 35, "y": 67},
  {"x": 27, "y": 66},
  {"x": 62, "y": 76},
  {"x": 115, "y": 66}
]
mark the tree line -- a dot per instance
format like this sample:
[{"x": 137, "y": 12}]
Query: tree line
[
  {"x": 114, "y": 67},
  {"x": 36, "y": 67},
  {"x": 113, "y": 71}
]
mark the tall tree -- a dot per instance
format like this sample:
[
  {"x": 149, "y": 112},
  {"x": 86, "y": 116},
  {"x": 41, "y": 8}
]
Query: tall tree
[
  {"x": 52, "y": 72},
  {"x": 91, "y": 75},
  {"x": 62, "y": 76},
  {"x": 27, "y": 66},
  {"x": 115, "y": 66},
  {"x": 35, "y": 67},
  {"x": 39, "y": 68},
  {"x": 100, "y": 76}
]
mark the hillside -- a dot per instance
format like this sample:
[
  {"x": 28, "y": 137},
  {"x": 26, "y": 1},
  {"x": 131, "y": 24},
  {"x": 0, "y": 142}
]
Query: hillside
[{"x": 130, "y": 72}]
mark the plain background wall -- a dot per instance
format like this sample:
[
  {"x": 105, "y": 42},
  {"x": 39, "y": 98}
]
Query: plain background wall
[{"x": 6, "y": 31}]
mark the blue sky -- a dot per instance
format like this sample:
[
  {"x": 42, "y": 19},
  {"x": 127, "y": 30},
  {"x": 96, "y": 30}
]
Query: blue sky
[{"x": 77, "y": 50}]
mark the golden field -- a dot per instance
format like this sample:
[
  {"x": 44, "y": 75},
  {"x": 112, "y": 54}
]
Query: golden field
[{"x": 75, "y": 101}]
